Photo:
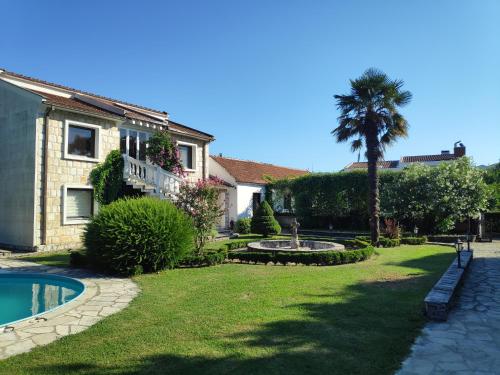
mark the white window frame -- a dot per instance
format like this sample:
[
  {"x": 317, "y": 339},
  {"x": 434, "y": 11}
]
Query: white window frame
[
  {"x": 97, "y": 141},
  {"x": 95, "y": 207},
  {"x": 194, "y": 151},
  {"x": 127, "y": 141}
]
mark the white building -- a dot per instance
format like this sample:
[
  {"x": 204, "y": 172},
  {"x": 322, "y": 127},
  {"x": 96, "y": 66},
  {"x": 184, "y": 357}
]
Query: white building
[{"x": 244, "y": 184}]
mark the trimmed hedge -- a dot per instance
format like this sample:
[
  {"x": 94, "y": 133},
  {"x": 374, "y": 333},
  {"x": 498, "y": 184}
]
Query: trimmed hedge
[
  {"x": 209, "y": 258},
  {"x": 132, "y": 236},
  {"x": 384, "y": 241},
  {"x": 324, "y": 258},
  {"x": 413, "y": 240},
  {"x": 243, "y": 226}
]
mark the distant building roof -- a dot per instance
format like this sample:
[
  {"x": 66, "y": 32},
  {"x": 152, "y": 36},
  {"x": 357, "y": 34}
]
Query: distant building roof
[
  {"x": 458, "y": 151},
  {"x": 247, "y": 171},
  {"x": 427, "y": 158},
  {"x": 383, "y": 164}
]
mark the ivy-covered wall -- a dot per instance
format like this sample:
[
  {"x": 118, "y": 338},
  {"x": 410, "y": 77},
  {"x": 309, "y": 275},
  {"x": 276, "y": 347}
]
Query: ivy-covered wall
[{"x": 321, "y": 199}]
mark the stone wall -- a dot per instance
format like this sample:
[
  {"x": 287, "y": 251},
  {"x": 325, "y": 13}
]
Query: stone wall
[{"x": 63, "y": 171}]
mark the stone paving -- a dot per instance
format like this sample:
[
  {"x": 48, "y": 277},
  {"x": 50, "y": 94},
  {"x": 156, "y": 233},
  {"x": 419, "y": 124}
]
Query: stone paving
[
  {"x": 102, "y": 297},
  {"x": 469, "y": 342}
]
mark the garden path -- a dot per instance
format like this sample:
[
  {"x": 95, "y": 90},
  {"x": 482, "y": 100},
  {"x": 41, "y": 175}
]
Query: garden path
[{"x": 469, "y": 342}]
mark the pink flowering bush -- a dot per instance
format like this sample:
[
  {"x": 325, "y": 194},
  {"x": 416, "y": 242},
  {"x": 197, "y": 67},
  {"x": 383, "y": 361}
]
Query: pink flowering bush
[
  {"x": 163, "y": 152},
  {"x": 201, "y": 202}
]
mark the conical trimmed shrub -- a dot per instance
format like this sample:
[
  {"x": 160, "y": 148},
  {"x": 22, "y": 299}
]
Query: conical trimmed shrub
[{"x": 263, "y": 221}]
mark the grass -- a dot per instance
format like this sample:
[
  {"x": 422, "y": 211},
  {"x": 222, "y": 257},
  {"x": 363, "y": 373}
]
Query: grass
[
  {"x": 52, "y": 258},
  {"x": 254, "y": 319}
]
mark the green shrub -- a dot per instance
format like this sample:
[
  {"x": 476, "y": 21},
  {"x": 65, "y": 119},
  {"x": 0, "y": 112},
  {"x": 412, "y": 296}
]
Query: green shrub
[
  {"x": 320, "y": 258},
  {"x": 413, "y": 240},
  {"x": 383, "y": 241},
  {"x": 389, "y": 242},
  {"x": 263, "y": 221},
  {"x": 243, "y": 226},
  {"x": 207, "y": 258},
  {"x": 133, "y": 235},
  {"x": 78, "y": 259}
]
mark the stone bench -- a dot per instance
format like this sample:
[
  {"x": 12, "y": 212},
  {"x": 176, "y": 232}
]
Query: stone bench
[{"x": 440, "y": 299}]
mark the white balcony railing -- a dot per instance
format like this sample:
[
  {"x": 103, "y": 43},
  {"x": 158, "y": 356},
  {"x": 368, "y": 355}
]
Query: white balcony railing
[{"x": 150, "y": 178}]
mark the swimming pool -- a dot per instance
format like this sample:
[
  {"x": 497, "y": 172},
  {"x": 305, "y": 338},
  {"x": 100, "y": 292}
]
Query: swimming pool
[{"x": 24, "y": 295}]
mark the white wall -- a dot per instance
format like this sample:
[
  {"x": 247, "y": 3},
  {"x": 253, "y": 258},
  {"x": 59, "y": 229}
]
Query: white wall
[
  {"x": 244, "y": 193},
  {"x": 18, "y": 112},
  {"x": 240, "y": 198}
]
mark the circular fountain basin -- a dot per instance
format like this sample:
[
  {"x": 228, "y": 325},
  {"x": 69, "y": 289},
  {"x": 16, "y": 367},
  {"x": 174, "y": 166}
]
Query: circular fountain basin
[{"x": 285, "y": 245}]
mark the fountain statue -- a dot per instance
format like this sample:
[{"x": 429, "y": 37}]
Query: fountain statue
[{"x": 294, "y": 241}]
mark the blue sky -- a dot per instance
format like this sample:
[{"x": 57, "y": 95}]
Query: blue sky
[{"x": 261, "y": 75}]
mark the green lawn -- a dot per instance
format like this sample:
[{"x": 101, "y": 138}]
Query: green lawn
[{"x": 254, "y": 319}]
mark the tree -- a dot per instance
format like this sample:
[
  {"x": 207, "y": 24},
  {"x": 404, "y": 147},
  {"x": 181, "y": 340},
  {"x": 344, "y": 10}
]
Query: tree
[
  {"x": 201, "y": 202},
  {"x": 263, "y": 221},
  {"x": 444, "y": 194},
  {"x": 369, "y": 114}
]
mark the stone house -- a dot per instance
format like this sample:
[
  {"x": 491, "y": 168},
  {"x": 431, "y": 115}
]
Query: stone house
[
  {"x": 245, "y": 186},
  {"x": 53, "y": 136}
]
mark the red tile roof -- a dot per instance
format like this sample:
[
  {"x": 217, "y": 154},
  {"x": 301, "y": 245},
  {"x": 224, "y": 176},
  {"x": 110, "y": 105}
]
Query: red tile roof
[
  {"x": 247, "y": 171},
  {"x": 130, "y": 111},
  {"x": 427, "y": 158},
  {"x": 384, "y": 164}
]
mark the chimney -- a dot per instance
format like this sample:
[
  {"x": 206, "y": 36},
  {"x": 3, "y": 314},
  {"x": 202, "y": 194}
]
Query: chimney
[{"x": 459, "y": 149}]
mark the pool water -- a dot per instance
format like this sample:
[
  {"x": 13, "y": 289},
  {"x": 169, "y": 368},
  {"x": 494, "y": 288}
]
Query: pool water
[{"x": 25, "y": 295}]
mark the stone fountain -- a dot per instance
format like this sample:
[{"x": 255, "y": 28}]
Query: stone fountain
[{"x": 294, "y": 244}]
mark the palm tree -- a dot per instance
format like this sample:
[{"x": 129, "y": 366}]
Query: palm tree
[{"x": 369, "y": 116}]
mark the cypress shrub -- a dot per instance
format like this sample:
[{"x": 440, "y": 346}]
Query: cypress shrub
[
  {"x": 263, "y": 222},
  {"x": 132, "y": 236}
]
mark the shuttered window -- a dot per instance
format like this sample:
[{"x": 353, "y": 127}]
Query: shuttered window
[{"x": 79, "y": 203}]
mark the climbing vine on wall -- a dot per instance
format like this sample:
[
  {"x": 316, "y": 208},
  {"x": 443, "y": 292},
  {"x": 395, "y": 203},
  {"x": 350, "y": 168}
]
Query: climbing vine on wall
[{"x": 107, "y": 179}]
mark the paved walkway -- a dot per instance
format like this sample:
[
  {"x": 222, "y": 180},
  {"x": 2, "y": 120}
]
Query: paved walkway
[
  {"x": 103, "y": 296},
  {"x": 469, "y": 342}
]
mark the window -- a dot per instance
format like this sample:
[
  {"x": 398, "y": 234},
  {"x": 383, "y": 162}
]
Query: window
[
  {"x": 187, "y": 155},
  {"x": 287, "y": 201},
  {"x": 143, "y": 140},
  {"x": 255, "y": 201},
  {"x": 134, "y": 143},
  {"x": 81, "y": 141},
  {"x": 78, "y": 204},
  {"x": 123, "y": 141}
]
